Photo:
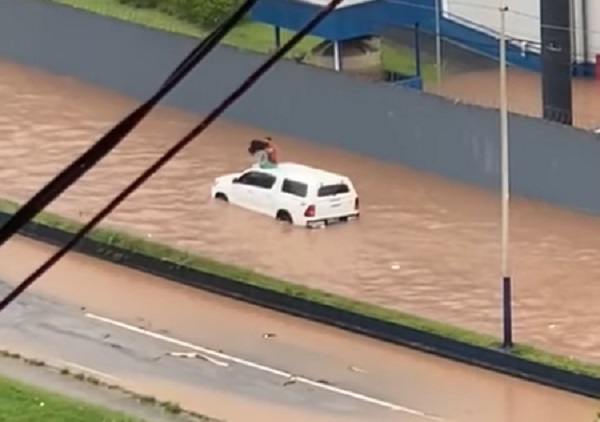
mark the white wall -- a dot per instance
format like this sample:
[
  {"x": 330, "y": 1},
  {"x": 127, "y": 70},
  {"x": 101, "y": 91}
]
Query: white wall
[
  {"x": 594, "y": 27},
  {"x": 523, "y": 20},
  {"x": 576, "y": 22}
]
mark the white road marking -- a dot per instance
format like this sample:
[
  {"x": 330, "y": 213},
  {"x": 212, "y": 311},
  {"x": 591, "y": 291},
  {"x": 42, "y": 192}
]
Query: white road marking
[
  {"x": 72, "y": 365},
  {"x": 263, "y": 368}
]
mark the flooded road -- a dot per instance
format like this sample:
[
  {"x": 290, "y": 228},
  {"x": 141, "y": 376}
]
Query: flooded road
[
  {"x": 425, "y": 245},
  {"x": 82, "y": 314}
]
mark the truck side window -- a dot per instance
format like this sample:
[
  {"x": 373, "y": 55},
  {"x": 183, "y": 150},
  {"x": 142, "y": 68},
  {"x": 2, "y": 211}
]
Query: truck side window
[{"x": 294, "y": 188}]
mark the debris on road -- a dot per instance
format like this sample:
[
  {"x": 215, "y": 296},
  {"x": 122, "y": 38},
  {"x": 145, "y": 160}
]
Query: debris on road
[
  {"x": 291, "y": 380},
  {"x": 196, "y": 355},
  {"x": 357, "y": 369}
]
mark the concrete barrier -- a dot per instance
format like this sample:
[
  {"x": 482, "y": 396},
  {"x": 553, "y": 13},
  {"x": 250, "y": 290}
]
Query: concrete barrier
[{"x": 496, "y": 360}]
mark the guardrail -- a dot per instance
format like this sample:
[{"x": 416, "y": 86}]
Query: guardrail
[{"x": 496, "y": 360}]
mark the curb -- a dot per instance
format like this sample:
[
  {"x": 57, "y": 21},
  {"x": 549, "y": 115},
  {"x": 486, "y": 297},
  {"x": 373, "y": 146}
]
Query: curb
[{"x": 495, "y": 360}]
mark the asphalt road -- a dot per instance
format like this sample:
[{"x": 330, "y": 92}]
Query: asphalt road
[
  {"x": 67, "y": 336},
  {"x": 248, "y": 364}
]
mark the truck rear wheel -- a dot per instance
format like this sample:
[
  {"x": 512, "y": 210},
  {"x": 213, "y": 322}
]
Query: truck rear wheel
[{"x": 283, "y": 215}]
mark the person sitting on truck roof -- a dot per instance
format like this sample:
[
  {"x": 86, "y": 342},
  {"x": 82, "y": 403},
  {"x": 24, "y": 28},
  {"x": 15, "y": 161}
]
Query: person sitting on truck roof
[{"x": 264, "y": 151}]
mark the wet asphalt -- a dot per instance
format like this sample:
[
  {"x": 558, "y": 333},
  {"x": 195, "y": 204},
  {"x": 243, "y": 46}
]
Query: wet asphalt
[{"x": 64, "y": 336}]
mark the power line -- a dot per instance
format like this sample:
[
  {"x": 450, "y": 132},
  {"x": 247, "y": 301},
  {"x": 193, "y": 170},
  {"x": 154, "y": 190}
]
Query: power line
[
  {"x": 172, "y": 152},
  {"x": 115, "y": 136}
]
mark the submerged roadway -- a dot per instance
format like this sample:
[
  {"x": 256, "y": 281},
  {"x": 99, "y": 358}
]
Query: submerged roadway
[
  {"x": 423, "y": 245},
  {"x": 242, "y": 363}
]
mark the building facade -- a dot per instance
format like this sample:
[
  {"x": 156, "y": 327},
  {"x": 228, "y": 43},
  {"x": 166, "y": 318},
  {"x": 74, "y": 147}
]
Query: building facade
[{"x": 523, "y": 24}]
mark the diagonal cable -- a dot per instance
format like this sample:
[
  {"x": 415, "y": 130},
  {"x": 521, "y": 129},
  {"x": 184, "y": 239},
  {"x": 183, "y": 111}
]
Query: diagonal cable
[
  {"x": 113, "y": 137},
  {"x": 199, "y": 50},
  {"x": 171, "y": 152}
]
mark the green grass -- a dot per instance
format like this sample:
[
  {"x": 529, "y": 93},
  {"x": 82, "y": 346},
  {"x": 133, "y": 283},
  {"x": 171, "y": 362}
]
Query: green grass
[
  {"x": 166, "y": 253},
  {"x": 251, "y": 36},
  {"x": 22, "y": 403}
]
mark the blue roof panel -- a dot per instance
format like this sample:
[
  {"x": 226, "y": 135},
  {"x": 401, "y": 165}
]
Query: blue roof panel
[{"x": 352, "y": 21}]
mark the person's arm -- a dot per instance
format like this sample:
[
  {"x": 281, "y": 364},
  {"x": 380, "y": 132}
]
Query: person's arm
[{"x": 273, "y": 154}]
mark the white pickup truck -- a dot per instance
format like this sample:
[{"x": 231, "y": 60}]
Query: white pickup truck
[{"x": 293, "y": 193}]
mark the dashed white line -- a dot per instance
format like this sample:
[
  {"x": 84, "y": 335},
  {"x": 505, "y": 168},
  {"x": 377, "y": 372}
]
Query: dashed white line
[{"x": 263, "y": 368}]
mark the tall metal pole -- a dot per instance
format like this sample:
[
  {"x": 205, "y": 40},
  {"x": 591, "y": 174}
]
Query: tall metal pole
[
  {"x": 438, "y": 41},
  {"x": 505, "y": 169},
  {"x": 337, "y": 56}
]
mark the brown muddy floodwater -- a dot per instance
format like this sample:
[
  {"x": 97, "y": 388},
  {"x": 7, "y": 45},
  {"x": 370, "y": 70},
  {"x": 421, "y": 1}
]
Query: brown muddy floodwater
[{"x": 424, "y": 245}]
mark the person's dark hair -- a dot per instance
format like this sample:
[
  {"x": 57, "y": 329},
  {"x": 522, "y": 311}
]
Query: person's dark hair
[{"x": 257, "y": 145}]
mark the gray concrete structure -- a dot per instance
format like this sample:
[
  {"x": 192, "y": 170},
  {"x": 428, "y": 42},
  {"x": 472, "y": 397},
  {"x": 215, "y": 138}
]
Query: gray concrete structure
[{"x": 552, "y": 163}]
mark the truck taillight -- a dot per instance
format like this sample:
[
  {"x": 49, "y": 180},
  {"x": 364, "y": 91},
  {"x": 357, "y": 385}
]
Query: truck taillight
[
  {"x": 356, "y": 204},
  {"x": 310, "y": 211}
]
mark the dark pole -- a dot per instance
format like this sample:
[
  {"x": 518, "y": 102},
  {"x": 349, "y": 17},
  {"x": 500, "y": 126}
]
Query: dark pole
[
  {"x": 277, "y": 37},
  {"x": 507, "y": 342},
  {"x": 417, "y": 49},
  {"x": 555, "y": 17}
]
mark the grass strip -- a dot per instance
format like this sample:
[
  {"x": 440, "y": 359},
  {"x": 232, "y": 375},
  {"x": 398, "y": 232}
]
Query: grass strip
[
  {"x": 166, "y": 253},
  {"x": 168, "y": 407},
  {"x": 20, "y": 402},
  {"x": 251, "y": 36}
]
